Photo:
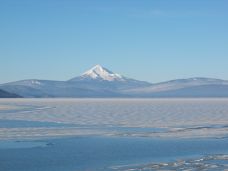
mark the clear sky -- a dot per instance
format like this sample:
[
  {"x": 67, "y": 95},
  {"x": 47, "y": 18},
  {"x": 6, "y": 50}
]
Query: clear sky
[{"x": 152, "y": 40}]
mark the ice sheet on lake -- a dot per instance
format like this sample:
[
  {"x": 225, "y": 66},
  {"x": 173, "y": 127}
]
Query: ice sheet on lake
[
  {"x": 177, "y": 117},
  {"x": 209, "y": 163}
]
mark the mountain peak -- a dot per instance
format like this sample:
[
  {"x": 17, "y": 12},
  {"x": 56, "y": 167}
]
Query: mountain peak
[
  {"x": 99, "y": 73},
  {"x": 96, "y": 69},
  {"x": 107, "y": 79},
  {"x": 98, "y": 66}
]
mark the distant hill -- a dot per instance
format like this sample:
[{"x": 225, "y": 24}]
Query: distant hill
[
  {"x": 4, "y": 94},
  {"x": 194, "y": 91},
  {"x": 101, "y": 82},
  {"x": 191, "y": 87},
  {"x": 96, "y": 82}
]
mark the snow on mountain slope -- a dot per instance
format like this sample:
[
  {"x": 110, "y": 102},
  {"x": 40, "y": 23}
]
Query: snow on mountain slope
[
  {"x": 99, "y": 73},
  {"x": 100, "y": 77}
]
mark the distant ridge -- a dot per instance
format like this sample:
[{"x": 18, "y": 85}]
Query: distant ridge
[
  {"x": 4, "y": 94},
  {"x": 101, "y": 82}
]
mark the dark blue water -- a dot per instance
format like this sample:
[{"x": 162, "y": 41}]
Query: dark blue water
[
  {"x": 21, "y": 144},
  {"x": 100, "y": 153}
]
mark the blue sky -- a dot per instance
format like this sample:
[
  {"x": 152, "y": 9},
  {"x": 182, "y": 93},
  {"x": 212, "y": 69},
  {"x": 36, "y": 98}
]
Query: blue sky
[{"x": 152, "y": 40}]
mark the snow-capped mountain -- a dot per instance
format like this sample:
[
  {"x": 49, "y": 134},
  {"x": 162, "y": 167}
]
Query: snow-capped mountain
[
  {"x": 96, "y": 82},
  {"x": 101, "y": 82},
  {"x": 101, "y": 78},
  {"x": 99, "y": 73}
]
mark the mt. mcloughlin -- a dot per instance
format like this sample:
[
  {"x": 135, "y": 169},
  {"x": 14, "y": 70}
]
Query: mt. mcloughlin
[{"x": 101, "y": 82}]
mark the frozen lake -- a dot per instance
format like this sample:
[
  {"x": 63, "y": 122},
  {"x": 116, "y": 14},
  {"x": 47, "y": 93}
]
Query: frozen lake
[{"x": 113, "y": 134}]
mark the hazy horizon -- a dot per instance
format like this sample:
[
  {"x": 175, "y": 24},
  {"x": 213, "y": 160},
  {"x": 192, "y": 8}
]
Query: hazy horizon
[{"x": 114, "y": 72}]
